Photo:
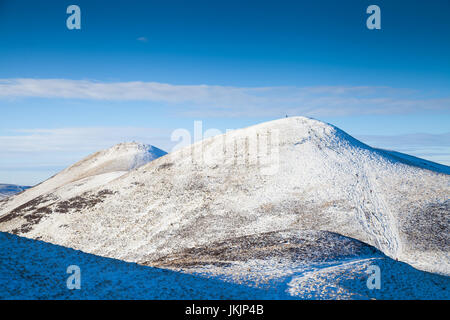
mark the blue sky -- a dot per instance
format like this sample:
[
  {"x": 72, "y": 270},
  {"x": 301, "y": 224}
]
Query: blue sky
[{"x": 137, "y": 70}]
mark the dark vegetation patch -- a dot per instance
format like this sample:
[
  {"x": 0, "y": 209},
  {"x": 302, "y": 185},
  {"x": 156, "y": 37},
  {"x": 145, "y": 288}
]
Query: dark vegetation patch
[
  {"x": 33, "y": 214},
  {"x": 139, "y": 184},
  {"x": 28, "y": 206},
  {"x": 32, "y": 219},
  {"x": 165, "y": 165},
  {"x": 85, "y": 201},
  {"x": 30, "y": 212},
  {"x": 428, "y": 228},
  {"x": 308, "y": 246}
]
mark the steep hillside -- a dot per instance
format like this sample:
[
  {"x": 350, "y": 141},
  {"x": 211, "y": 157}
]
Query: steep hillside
[{"x": 289, "y": 174}]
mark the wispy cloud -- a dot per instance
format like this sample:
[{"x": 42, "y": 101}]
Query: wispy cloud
[
  {"x": 434, "y": 147},
  {"x": 224, "y": 101},
  {"x": 142, "y": 39},
  {"x": 77, "y": 139},
  {"x": 31, "y": 156}
]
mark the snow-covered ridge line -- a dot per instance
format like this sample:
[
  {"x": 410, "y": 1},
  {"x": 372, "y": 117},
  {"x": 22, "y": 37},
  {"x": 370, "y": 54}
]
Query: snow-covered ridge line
[{"x": 212, "y": 191}]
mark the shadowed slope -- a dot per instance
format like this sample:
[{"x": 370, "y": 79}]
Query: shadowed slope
[
  {"x": 284, "y": 265},
  {"x": 31, "y": 269}
]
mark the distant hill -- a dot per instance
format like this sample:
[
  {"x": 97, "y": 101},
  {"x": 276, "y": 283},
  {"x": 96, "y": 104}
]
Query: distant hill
[
  {"x": 285, "y": 186},
  {"x": 7, "y": 190},
  {"x": 95, "y": 170}
]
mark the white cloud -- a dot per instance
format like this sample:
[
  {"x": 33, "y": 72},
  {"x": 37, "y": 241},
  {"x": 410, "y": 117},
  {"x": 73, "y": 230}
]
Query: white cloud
[
  {"x": 223, "y": 101},
  {"x": 78, "y": 139},
  {"x": 31, "y": 156}
]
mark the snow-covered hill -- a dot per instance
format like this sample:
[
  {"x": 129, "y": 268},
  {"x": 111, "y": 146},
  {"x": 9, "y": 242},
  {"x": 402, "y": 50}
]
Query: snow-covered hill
[
  {"x": 96, "y": 170},
  {"x": 7, "y": 190},
  {"x": 289, "y": 174}
]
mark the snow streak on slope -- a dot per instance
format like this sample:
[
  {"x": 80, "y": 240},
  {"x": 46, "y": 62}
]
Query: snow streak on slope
[{"x": 294, "y": 173}]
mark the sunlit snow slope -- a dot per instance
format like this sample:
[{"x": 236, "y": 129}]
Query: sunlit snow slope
[
  {"x": 289, "y": 174},
  {"x": 97, "y": 169}
]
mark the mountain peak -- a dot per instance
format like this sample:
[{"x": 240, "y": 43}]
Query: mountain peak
[
  {"x": 293, "y": 173},
  {"x": 93, "y": 171},
  {"x": 124, "y": 156}
]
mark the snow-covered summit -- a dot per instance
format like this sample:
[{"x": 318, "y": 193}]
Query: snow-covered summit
[
  {"x": 91, "y": 172},
  {"x": 121, "y": 157},
  {"x": 289, "y": 174}
]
